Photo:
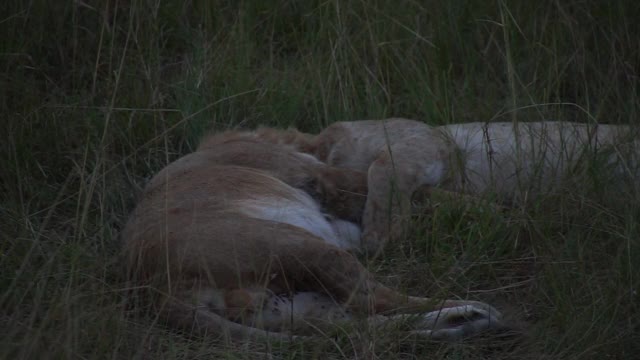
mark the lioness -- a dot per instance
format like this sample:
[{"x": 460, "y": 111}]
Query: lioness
[
  {"x": 510, "y": 160},
  {"x": 247, "y": 237}
]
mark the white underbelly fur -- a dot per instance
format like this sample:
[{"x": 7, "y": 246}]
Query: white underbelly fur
[{"x": 303, "y": 212}]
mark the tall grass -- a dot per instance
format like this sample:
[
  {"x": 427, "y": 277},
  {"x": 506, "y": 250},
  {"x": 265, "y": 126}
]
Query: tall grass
[{"x": 97, "y": 96}]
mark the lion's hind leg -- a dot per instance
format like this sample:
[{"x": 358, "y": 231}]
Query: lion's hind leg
[
  {"x": 299, "y": 312},
  {"x": 302, "y": 312},
  {"x": 256, "y": 312},
  {"x": 211, "y": 311}
]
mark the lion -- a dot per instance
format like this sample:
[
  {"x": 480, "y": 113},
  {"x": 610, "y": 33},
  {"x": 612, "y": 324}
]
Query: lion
[
  {"x": 250, "y": 238},
  {"x": 511, "y": 161}
]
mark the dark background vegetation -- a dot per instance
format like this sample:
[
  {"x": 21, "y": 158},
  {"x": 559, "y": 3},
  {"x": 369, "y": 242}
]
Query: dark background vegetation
[{"x": 96, "y": 96}]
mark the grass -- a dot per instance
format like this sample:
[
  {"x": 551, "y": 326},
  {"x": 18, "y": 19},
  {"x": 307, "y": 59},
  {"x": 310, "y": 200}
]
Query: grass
[{"x": 98, "y": 96}]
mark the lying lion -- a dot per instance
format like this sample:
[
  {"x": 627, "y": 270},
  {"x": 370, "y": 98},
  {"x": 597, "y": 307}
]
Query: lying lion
[
  {"x": 248, "y": 237},
  {"x": 509, "y": 160}
]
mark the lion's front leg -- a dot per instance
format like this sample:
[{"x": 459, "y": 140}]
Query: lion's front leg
[
  {"x": 458, "y": 322},
  {"x": 450, "y": 323},
  {"x": 392, "y": 179}
]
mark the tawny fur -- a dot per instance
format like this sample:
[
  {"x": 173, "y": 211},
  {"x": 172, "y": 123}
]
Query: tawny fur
[
  {"x": 509, "y": 160},
  {"x": 244, "y": 237}
]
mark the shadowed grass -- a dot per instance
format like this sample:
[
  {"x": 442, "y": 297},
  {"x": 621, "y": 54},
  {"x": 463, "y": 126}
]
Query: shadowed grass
[{"x": 98, "y": 96}]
